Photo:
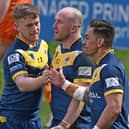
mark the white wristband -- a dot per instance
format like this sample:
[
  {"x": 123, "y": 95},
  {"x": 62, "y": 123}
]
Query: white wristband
[
  {"x": 66, "y": 124},
  {"x": 66, "y": 85},
  {"x": 79, "y": 93},
  {"x": 95, "y": 127}
]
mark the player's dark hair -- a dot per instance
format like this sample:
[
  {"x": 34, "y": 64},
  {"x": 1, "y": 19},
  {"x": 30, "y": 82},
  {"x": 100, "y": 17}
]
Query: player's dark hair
[{"x": 103, "y": 29}]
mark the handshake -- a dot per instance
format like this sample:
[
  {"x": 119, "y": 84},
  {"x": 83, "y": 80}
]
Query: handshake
[
  {"x": 57, "y": 78},
  {"x": 53, "y": 76},
  {"x": 78, "y": 92}
]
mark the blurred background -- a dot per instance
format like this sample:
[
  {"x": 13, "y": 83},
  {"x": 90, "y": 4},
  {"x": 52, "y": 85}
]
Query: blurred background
[{"x": 116, "y": 12}]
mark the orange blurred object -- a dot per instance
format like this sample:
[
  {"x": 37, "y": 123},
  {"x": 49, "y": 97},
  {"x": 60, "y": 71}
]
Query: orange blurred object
[
  {"x": 47, "y": 92},
  {"x": 7, "y": 31}
]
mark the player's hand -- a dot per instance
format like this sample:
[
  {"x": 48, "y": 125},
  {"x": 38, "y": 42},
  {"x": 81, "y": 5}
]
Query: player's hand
[
  {"x": 46, "y": 75},
  {"x": 57, "y": 127},
  {"x": 57, "y": 78}
]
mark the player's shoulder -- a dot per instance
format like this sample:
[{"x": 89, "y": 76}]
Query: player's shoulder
[
  {"x": 12, "y": 57},
  {"x": 108, "y": 70},
  {"x": 82, "y": 58},
  {"x": 43, "y": 43}
]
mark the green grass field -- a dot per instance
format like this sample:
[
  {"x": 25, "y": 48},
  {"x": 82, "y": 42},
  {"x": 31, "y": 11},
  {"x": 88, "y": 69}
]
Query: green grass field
[{"x": 45, "y": 109}]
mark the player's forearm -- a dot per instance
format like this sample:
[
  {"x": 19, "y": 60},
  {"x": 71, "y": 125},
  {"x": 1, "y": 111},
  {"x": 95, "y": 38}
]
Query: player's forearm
[
  {"x": 72, "y": 114},
  {"x": 108, "y": 116},
  {"x": 111, "y": 111},
  {"x": 26, "y": 84},
  {"x": 78, "y": 92}
]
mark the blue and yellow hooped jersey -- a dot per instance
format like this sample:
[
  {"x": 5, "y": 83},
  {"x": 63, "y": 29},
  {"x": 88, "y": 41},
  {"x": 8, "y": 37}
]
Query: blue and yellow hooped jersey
[
  {"x": 21, "y": 59},
  {"x": 109, "y": 77}
]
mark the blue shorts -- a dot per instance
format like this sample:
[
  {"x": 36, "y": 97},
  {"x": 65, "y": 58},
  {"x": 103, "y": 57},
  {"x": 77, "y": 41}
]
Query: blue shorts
[{"x": 13, "y": 123}]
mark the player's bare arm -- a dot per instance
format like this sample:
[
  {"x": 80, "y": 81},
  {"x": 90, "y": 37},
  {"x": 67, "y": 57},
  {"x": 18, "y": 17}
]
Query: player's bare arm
[
  {"x": 78, "y": 92},
  {"x": 111, "y": 111}
]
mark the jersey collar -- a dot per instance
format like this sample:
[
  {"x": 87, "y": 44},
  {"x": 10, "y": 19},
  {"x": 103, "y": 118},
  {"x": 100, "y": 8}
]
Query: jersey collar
[{"x": 109, "y": 51}]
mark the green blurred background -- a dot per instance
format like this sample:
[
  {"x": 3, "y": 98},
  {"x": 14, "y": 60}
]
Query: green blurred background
[{"x": 45, "y": 109}]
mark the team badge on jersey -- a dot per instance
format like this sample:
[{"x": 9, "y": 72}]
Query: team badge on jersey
[
  {"x": 67, "y": 59},
  {"x": 13, "y": 58},
  {"x": 85, "y": 70},
  {"x": 111, "y": 82}
]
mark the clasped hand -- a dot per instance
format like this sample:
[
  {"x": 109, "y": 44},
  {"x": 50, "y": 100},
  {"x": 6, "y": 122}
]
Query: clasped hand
[{"x": 55, "y": 77}]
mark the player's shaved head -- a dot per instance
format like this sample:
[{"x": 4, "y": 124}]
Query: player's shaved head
[{"x": 74, "y": 15}]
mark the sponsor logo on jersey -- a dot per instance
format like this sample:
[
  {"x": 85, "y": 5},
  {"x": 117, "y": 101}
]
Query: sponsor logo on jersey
[
  {"x": 85, "y": 70},
  {"x": 111, "y": 82},
  {"x": 94, "y": 95}
]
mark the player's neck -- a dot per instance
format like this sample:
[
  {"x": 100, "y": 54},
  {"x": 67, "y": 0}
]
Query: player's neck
[{"x": 70, "y": 41}]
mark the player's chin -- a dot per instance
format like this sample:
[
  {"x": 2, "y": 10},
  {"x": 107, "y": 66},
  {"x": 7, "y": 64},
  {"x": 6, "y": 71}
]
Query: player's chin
[
  {"x": 57, "y": 38},
  {"x": 35, "y": 38}
]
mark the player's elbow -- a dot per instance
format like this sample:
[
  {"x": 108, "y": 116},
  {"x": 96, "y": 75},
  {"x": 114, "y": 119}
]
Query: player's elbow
[
  {"x": 115, "y": 109},
  {"x": 20, "y": 82},
  {"x": 21, "y": 87}
]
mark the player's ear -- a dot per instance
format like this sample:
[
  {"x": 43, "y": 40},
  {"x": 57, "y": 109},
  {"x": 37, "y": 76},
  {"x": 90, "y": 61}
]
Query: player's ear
[
  {"x": 74, "y": 28},
  {"x": 15, "y": 26},
  {"x": 100, "y": 42}
]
